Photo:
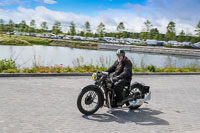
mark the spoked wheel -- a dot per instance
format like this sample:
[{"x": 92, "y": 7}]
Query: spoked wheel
[{"x": 89, "y": 100}]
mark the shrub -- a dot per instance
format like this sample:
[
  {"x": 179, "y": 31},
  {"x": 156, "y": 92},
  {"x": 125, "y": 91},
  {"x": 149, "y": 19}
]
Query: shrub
[
  {"x": 193, "y": 67},
  {"x": 7, "y": 64},
  {"x": 136, "y": 69},
  {"x": 159, "y": 70},
  {"x": 27, "y": 70},
  {"x": 151, "y": 68},
  {"x": 169, "y": 69},
  {"x": 185, "y": 70},
  {"x": 10, "y": 71}
]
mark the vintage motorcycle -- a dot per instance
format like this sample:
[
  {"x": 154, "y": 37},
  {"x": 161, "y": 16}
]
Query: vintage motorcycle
[{"x": 92, "y": 97}]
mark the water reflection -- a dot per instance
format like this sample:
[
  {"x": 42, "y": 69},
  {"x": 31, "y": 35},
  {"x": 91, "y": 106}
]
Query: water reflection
[{"x": 28, "y": 56}]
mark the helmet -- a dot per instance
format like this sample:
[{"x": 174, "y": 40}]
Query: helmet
[{"x": 120, "y": 52}]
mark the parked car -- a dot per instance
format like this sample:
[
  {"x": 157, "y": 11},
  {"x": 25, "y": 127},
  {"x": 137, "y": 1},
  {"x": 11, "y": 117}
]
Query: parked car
[
  {"x": 32, "y": 34},
  {"x": 173, "y": 43},
  {"x": 161, "y": 43},
  {"x": 68, "y": 37},
  {"x": 186, "y": 44},
  {"x": 38, "y": 35},
  {"x": 17, "y": 33},
  {"x": 151, "y": 42},
  {"x": 9, "y": 33},
  {"x": 133, "y": 41},
  {"x": 96, "y": 39},
  {"x": 196, "y": 45},
  {"x": 108, "y": 39}
]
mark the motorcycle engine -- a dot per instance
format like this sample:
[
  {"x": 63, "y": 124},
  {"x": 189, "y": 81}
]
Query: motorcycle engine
[{"x": 109, "y": 84}]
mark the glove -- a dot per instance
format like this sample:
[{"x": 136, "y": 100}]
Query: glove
[{"x": 114, "y": 79}]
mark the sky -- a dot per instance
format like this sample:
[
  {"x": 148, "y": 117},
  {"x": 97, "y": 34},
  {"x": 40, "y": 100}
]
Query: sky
[{"x": 185, "y": 13}]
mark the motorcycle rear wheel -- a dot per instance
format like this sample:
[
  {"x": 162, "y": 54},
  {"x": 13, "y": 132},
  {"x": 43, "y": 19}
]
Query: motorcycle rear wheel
[{"x": 134, "y": 107}]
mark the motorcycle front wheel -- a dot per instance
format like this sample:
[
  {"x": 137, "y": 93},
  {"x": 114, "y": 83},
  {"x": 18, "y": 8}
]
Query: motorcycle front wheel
[{"x": 89, "y": 100}]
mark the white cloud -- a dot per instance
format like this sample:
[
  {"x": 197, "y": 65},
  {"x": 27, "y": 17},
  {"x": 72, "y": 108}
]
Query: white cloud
[
  {"x": 133, "y": 17},
  {"x": 47, "y": 1},
  {"x": 9, "y": 2},
  {"x": 110, "y": 18},
  {"x": 41, "y": 14},
  {"x": 185, "y": 13}
]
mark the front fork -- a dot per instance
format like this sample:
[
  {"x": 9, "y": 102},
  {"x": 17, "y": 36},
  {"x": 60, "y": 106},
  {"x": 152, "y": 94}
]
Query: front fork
[{"x": 108, "y": 99}]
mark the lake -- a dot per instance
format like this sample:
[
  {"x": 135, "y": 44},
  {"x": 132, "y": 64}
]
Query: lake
[{"x": 28, "y": 56}]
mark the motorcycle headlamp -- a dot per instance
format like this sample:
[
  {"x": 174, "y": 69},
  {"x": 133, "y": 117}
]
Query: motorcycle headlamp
[{"x": 94, "y": 76}]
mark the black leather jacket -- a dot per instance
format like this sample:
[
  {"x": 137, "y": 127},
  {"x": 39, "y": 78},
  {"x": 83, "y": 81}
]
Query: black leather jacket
[{"x": 123, "y": 69}]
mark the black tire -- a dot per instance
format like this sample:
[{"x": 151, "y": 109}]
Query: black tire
[
  {"x": 139, "y": 86},
  {"x": 84, "y": 91}
]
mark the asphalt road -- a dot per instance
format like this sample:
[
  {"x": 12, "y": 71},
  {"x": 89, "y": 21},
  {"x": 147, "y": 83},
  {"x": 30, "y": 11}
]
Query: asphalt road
[{"x": 48, "y": 105}]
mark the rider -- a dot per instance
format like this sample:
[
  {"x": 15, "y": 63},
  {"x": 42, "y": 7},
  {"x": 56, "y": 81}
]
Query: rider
[{"x": 122, "y": 73}]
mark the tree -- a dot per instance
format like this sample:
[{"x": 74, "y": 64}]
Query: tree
[
  {"x": 87, "y": 29},
  {"x": 181, "y": 36},
  {"x": 56, "y": 29},
  {"x": 101, "y": 30},
  {"x": 148, "y": 26},
  {"x": 153, "y": 34},
  {"x": 22, "y": 26},
  {"x": 120, "y": 27},
  {"x": 162, "y": 37},
  {"x": 1, "y": 26},
  {"x": 11, "y": 26},
  {"x": 142, "y": 35},
  {"x": 124, "y": 34},
  {"x": 194, "y": 39},
  {"x": 72, "y": 29},
  {"x": 171, "y": 31},
  {"x": 198, "y": 29},
  {"x": 32, "y": 26},
  {"x": 44, "y": 26},
  {"x": 26, "y": 28},
  {"x": 82, "y": 33}
]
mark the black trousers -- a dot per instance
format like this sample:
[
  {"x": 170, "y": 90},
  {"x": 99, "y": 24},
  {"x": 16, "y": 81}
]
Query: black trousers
[{"x": 118, "y": 87}]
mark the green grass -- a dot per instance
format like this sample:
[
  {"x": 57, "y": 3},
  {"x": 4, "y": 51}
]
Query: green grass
[
  {"x": 80, "y": 69},
  {"x": 34, "y": 40},
  {"x": 9, "y": 66},
  {"x": 13, "y": 41},
  {"x": 23, "y": 40},
  {"x": 92, "y": 69},
  {"x": 28, "y": 41},
  {"x": 75, "y": 44}
]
